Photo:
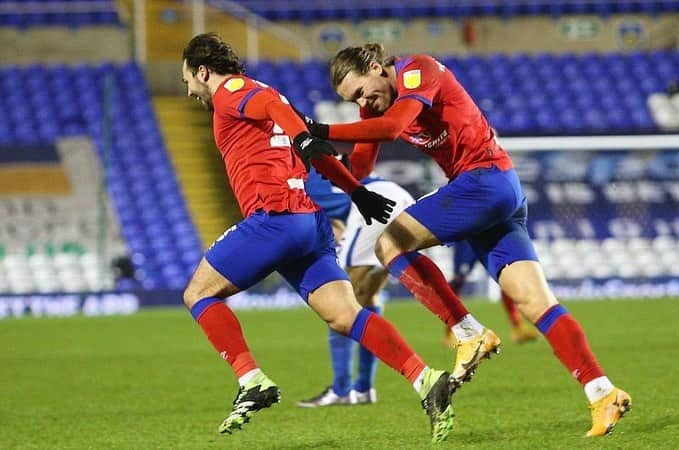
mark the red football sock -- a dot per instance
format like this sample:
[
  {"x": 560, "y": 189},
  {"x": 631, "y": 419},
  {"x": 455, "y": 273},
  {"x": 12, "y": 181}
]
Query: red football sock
[
  {"x": 380, "y": 337},
  {"x": 224, "y": 332},
  {"x": 569, "y": 343},
  {"x": 426, "y": 282},
  {"x": 512, "y": 310}
]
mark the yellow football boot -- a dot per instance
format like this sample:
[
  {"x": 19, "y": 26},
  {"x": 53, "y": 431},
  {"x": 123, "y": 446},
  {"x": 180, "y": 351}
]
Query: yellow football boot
[
  {"x": 607, "y": 411},
  {"x": 471, "y": 352},
  {"x": 448, "y": 339}
]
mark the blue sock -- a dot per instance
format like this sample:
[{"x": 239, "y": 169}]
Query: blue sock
[
  {"x": 342, "y": 356},
  {"x": 367, "y": 363}
]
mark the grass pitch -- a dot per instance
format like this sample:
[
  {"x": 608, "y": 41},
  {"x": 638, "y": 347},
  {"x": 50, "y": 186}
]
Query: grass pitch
[{"x": 152, "y": 381}]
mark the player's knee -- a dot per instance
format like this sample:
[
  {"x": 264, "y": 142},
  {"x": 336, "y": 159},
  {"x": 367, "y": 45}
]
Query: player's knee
[
  {"x": 525, "y": 294},
  {"x": 193, "y": 293},
  {"x": 532, "y": 298},
  {"x": 190, "y": 296},
  {"x": 386, "y": 249},
  {"x": 524, "y": 283},
  {"x": 342, "y": 322}
]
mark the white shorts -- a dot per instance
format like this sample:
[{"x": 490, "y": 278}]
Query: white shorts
[{"x": 357, "y": 247}]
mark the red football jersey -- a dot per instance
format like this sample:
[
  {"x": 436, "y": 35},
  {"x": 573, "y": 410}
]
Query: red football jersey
[
  {"x": 263, "y": 168},
  {"x": 451, "y": 128}
]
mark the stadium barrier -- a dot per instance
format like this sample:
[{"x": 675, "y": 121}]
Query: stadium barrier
[{"x": 123, "y": 303}]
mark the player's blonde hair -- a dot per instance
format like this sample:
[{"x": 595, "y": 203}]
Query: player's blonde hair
[{"x": 357, "y": 59}]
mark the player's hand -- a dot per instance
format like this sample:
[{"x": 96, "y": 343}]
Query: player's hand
[
  {"x": 318, "y": 129},
  {"x": 309, "y": 147},
  {"x": 372, "y": 205}
]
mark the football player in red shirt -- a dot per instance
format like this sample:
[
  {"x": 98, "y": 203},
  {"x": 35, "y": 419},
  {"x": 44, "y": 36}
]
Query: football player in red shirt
[
  {"x": 418, "y": 99},
  {"x": 283, "y": 230}
]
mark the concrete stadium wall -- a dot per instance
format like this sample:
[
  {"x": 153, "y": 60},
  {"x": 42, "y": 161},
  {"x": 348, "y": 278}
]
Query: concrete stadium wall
[
  {"x": 495, "y": 35},
  {"x": 52, "y": 45},
  {"x": 169, "y": 27}
]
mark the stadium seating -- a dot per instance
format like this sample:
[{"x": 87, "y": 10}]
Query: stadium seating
[
  {"x": 625, "y": 258},
  {"x": 71, "y": 13},
  {"x": 384, "y": 9},
  {"x": 523, "y": 94},
  {"x": 42, "y": 104}
]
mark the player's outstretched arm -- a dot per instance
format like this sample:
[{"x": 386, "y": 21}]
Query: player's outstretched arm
[
  {"x": 318, "y": 129},
  {"x": 363, "y": 159},
  {"x": 318, "y": 152},
  {"x": 375, "y": 129},
  {"x": 266, "y": 106},
  {"x": 364, "y": 156}
]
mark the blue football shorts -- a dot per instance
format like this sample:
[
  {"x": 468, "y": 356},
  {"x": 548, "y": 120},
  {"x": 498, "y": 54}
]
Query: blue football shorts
[
  {"x": 485, "y": 207},
  {"x": 301, "y": 247}
]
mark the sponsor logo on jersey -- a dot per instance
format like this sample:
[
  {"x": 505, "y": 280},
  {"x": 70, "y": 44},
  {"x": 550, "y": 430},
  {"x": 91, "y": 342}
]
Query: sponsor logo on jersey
[
  {"x": 412, "y": 79},
  {"x": 234, "y": 84},
  {"x": 420, "y": 138},
  {"x": 425, "y": 139}
]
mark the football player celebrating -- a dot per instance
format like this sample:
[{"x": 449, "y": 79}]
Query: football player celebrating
[
  {"x": 419, "y": 99},
  {"x": 285, "y": 231}
]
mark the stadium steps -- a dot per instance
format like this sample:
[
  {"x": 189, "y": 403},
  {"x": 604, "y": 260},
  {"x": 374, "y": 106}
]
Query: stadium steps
[{"x": 188, "y": 134}]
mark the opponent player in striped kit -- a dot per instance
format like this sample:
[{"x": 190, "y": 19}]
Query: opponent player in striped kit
[
  {"x": 283, "y": 230},
  {"x": 419, "y": 99}
]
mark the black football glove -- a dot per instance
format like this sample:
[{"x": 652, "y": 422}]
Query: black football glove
[
  {"x": 318, "y": 129},
  {"x": 372, "y": 205},
  {"x": 309, "y": 147}
]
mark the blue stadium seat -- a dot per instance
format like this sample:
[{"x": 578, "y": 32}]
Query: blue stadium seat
[
  {"x": 102, "y": 12},
  {"x": 669, "y": 6},
  {"x": 362, "y": 9}
]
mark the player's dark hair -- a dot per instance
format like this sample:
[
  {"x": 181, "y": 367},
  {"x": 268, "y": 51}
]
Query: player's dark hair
[
  {"x": 211, "y": 51},
  {"x": 357, "y": 59}
]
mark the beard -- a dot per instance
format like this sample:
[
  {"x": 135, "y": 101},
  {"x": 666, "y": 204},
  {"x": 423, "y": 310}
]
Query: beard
[{"x": 206, "y": 102}]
